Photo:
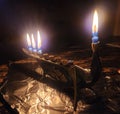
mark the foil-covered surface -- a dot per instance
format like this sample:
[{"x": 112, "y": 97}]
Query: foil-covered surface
[
  {"x": 16, "y": 84},
  {"x": 30, "y": 96}
]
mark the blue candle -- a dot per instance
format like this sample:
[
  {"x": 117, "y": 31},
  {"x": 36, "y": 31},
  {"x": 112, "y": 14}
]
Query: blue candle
[
  {"x": 95, "y": 28},
  {"x": 30, "y": 48},
  {"x": 95, "y": 37},
  {"x": 40, "y": 51}
]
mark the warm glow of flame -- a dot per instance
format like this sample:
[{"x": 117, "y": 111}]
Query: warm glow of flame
[
  {"x": 33, "y": 41},
  {"x": 38, "y": 40},
  {"x": 28, "y": 40},
  {"x": 95, "y": 22}
]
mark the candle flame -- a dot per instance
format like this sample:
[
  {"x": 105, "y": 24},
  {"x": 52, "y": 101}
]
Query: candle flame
[
  {"x": 28, "y": 40},
  {"x": 33, "y": 42},
  {"x": 95, "y": 22},
  {"x": 38, "y": 40}
]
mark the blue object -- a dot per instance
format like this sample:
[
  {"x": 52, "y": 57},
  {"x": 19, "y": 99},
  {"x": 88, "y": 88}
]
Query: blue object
[
  {"x": 30, "y": 48},
  {"x": 40, "y": 51},
  {"x": 34, "y": 50},
  {"x": 95, "y": 37}
]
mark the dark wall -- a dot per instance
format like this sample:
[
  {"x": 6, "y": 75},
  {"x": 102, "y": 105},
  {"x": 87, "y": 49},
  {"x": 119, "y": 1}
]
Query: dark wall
[{"x": 62, "y": 23}]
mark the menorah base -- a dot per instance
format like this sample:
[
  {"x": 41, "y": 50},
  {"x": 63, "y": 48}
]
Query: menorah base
[{"x": 25, "y": 85}]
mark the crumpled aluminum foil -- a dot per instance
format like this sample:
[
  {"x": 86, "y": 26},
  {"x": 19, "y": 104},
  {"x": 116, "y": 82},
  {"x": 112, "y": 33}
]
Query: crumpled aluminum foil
[{"x": 29, "y": 96}]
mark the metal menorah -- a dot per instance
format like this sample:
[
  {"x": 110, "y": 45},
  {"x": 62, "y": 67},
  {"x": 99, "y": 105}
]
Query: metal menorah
[{"x": 69, "y": 77}]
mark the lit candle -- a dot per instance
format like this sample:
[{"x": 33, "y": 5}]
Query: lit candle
[
  {"x": 39, "y": 43},
  {"x": 95, "y": 28},
  {"x": 33, "y": 44},
  {"x": 29, "y": 42}
]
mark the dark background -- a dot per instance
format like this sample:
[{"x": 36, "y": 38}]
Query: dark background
[{"x": 62, "y": 23}]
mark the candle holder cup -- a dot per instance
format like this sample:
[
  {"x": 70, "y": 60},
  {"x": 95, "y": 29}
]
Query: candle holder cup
[{"x": 95, "y": 46}]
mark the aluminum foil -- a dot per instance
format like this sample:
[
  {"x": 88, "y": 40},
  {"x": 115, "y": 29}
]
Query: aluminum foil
[{"x": 29, "y": 96}]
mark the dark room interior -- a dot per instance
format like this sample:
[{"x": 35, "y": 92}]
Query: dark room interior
[{"x": 54, "y": 78}]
